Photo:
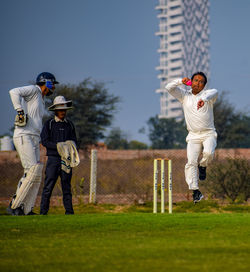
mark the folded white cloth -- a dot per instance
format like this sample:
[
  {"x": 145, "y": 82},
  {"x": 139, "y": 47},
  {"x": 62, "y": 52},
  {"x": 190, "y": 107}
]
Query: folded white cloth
[{"x": 69, "y": 155}]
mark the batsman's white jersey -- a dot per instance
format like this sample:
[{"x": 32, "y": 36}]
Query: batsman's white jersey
[
  {"x": 200, "y": 124},
  {"x": 29, "y": 99}
]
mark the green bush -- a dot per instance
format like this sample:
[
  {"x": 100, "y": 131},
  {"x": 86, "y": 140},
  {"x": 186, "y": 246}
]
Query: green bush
[{"x": 229, "y": 179}]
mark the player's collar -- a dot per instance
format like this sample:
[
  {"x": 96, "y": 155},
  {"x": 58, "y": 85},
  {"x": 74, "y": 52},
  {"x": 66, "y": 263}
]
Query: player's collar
[
  {"x": 39, "y": 88},
  {"x": 59, "y": 120},
  {"x": 201, "y": 92}
]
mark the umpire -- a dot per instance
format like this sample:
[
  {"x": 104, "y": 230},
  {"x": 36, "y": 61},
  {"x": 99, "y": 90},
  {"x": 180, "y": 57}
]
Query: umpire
[{"x": 55, "y": 130}]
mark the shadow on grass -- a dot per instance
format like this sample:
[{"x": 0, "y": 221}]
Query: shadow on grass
[{"x": 205, "y": 206}]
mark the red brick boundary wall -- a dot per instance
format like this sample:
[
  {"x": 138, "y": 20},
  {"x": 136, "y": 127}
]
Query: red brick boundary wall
[
  {"x": 137, "y": 154},
  {"x": 168, "y": 153}
]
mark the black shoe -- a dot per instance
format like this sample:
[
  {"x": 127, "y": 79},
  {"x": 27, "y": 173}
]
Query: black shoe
[
  {"x": 202, "y": 172},
  {"x": 18, "y": 211},
  {"x": 69, "y": 212},
  {"x": 31, "y": 213},
  {"x": 197, "y": 196}
]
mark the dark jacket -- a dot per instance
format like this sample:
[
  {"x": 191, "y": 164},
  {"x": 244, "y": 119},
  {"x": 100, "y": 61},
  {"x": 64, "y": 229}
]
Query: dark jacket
[{"x": 54, "y": 132}]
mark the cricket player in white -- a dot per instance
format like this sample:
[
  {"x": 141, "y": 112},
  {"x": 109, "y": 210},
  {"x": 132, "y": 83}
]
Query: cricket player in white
[
  {"x": 197, "y": 105},
  {"x": 28, "y": 101}
]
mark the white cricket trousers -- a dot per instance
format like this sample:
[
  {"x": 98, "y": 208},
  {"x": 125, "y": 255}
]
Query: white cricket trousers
[
  {"x": 196, "y": 142},
  {"x": 28, "y": 149}
]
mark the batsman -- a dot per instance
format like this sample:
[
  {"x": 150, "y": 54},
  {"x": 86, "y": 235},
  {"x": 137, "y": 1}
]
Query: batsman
[
  {"x": 197, "y": 104},
  {"x": 28, "y": 101}
]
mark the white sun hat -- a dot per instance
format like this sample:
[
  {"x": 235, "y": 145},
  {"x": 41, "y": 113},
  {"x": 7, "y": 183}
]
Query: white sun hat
[{"x": 60, "y": 103}]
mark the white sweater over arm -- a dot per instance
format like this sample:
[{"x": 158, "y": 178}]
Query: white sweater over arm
[{"x": 30, "y": 100}]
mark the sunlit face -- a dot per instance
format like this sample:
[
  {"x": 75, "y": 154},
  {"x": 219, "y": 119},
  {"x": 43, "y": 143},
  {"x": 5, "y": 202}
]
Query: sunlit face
[
  {"x": 61, "y": 114},
  {"x": 198, "y": 83},
  {"x": 47, "y": 91}
]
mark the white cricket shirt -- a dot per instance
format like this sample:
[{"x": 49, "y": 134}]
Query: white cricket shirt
[
  {"x": 196, "y": 120},
  {"x": 30, "y": 100}
]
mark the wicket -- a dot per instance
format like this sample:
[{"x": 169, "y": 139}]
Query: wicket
[{"x": 155, "y": 184}]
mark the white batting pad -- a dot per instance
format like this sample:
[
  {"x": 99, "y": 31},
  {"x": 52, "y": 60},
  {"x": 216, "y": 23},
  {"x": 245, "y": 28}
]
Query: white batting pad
[{"x": 27, "y": 193}]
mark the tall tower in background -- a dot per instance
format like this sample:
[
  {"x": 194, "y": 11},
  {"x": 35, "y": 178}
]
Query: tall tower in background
[{"x": 184, "y": 46}]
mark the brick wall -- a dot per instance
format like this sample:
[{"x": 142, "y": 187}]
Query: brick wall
[
  {"x": 136, "y": 154},
  {"x": 167, "y": 153}
]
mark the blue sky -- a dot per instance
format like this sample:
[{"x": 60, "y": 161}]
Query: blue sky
[{"x": 113, "y": 41}]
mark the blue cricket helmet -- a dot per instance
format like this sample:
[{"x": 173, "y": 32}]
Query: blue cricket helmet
[{"x": 44, "y": 77}]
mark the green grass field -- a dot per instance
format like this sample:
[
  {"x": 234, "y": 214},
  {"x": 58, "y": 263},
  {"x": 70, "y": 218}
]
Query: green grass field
[{"x": 135, "y": 241}]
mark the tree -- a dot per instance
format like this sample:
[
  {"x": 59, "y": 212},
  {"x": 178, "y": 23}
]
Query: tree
[
  {"x": 93, "y": 109},
  {"x": 233, "y": 128},
  {"x": 229, "y": 179},
  {"x": 166, "y": 133},
  {"x": 116, "y": 139},
  {"x": 137, "y": 145}
]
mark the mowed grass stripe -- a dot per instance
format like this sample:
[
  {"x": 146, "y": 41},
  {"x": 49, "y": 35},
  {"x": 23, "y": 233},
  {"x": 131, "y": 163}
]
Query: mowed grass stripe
[{"x": 126, "y": 242}]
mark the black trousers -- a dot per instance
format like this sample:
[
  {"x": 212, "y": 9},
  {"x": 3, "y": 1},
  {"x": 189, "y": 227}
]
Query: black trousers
[{"x": 52, "y": 172}]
